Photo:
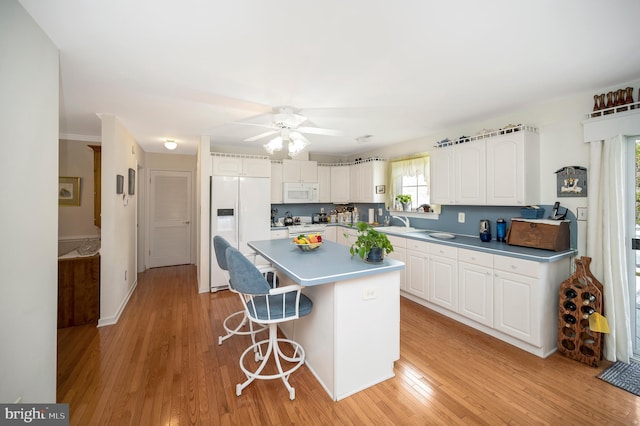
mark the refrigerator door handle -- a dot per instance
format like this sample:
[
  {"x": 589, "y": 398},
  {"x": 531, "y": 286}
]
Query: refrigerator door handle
[{"x": 237, "y": 221}]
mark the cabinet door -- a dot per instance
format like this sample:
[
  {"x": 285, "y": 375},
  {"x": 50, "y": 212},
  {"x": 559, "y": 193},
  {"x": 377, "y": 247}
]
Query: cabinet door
[
  {"x": 516, "y": 310},
  {"x": 371, "y": 174},
  {"x": 443, "y": 177},
  {"x": 401, "y": 255},
  {"x": 324, "y": 184},
  {"x": 296, "y": 171},
  {"x": 226, "y": 166},
  {"x": 279, "y": 234},
  {"x": 256, "y": 167},
  {"x": 340, "y": 181},
  {"x": 346, "y": 236},
  {"x": 443, "y": 282},
  {"x": 475, "y": 293},
  {"x": 276, "y": 184},
  {"x": 470, "y": 180},
  {"x": 330, "y": 234},
  {"x": 309, "y": 171},
  {"x": 417, "y": 276},
  {"x": 512, "y": 180},
  {"x": 355, "y": 180}
]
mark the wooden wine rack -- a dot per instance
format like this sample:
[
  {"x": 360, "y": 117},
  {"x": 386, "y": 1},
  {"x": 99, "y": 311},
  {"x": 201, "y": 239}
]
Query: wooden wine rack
[{"x": 580, "y": 297}]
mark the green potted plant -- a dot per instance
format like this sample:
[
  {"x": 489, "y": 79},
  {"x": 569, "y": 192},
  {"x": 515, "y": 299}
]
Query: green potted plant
[
  {"x": 405, "y": 200},
  {"x": 370, "y": 245}
]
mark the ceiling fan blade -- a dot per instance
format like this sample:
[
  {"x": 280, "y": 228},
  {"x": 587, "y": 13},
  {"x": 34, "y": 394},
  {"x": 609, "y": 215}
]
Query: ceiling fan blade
[
  {"x": 261, "y": 135},
  {"x": 319, "y": 131}
]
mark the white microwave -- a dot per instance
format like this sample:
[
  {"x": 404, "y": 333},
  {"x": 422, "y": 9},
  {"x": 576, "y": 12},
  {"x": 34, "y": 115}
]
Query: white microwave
[{"x": 300, "y": 193}]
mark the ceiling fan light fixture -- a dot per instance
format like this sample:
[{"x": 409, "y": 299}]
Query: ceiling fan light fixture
[
  {"x": 274, "y": 145},
  {"x": 170, "y": 144},
  {"x": 296, "y": 146}
]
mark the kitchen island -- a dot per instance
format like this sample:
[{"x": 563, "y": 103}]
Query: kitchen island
[{"x": 352, "y": 336}]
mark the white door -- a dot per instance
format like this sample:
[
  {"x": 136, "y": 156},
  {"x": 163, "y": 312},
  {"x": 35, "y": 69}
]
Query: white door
[{"x": 170, "y": 218}]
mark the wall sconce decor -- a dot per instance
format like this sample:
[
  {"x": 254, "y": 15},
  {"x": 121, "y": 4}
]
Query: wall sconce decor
[
  {"x": 119, "y": 184},
  {"x": 132, "y": 181},
  {"x": 572, "y": 181}
]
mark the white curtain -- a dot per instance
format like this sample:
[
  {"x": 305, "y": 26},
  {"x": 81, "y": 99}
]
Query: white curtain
[
  {"x": 606, "y": 240},
  {"x": 410, "y": 167}
]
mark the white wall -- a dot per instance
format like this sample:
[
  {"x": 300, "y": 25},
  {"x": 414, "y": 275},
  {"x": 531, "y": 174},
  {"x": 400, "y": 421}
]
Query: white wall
[
  {"x": 29, "y": 214},
  {"x": 118, "y": 248},
  {"x": 203, "y": 201}
]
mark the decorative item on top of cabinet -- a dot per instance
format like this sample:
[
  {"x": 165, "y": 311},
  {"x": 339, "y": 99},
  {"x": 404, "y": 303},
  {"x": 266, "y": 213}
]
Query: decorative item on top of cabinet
[{"x": 580, "y": 297}]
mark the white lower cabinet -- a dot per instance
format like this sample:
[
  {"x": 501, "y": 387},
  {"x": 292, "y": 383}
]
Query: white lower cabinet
[
  {"x": 399, "y": 253},
  {"x": 517, "y": 302},
  {"x": 512, "y": 299},
  {"x": 331, "y": 234},
  {"x": 346, "y": 236},
  {"x": 443, "y": 276},
  {"x": 277, "y": 234},
  {"x": 417, "y": 268},
  {"x": 475, "y": 286}
]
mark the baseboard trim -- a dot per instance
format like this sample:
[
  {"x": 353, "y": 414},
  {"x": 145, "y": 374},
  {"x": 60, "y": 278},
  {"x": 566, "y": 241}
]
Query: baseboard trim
[{"x": 114, "y": 319}]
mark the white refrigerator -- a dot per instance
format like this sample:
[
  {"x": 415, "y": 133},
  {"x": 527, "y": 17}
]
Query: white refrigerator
[{"x": 240, "y": 212}]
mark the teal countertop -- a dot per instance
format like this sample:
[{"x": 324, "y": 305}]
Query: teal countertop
[{"x": 330, "y": 262}]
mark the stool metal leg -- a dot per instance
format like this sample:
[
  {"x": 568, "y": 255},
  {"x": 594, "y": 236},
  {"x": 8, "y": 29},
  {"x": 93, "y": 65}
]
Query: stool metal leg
[{"x": 273, "y": 349}]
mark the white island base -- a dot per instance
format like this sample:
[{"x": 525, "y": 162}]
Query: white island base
[{"x": 352, "y": 336}]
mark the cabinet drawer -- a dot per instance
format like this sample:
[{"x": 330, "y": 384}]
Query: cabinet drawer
[
  {"x": 417, "y": 245},
  {"x": 444, "y": 251},
  {"x": 397, "y": 242},
  {"x": 516, "y": 266},
  {"x": 475, "y": 257}
]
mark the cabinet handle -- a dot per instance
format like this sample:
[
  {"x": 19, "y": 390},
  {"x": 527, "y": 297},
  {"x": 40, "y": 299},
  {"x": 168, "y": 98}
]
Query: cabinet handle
[{"x": 514, "y": 267}]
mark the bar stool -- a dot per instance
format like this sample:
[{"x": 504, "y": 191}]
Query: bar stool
[
  {"x": 268, "y": 306},
  {"x": 220, "y": 246}
]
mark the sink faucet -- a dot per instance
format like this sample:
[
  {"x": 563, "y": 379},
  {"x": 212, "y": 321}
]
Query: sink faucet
[{"x": 403, "y": 219}]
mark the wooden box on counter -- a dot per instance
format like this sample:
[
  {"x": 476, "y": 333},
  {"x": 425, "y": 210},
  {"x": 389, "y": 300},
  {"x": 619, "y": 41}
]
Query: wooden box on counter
[{"x": 539, "y": 233}]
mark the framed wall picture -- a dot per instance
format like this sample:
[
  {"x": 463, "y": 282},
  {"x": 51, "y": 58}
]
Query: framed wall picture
[
  {"x": 132, "y": 181},
  {"x": 381, "y": 189},
  {"x": 119, "y": 184},
  {"x": 68, "y": 191}
]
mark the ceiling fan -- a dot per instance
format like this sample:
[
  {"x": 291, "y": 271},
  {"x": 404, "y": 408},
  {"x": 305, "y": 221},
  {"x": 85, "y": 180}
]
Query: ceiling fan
[
  {"x": 288, "y": 118},
  {"x": 285, "y": 124}
]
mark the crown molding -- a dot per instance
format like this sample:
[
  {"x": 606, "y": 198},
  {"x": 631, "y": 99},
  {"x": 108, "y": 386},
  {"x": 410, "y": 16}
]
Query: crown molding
[{"x": 74, "y": 137}]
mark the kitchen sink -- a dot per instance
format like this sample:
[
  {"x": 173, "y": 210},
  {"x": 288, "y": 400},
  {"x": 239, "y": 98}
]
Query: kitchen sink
[{"x": 396, "y": 229}]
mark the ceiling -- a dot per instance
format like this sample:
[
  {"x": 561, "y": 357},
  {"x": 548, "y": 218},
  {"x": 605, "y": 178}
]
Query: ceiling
[{"x": 394, "y": 70}]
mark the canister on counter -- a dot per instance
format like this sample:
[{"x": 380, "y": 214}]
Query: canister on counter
[{"x": 501, "y": 230}]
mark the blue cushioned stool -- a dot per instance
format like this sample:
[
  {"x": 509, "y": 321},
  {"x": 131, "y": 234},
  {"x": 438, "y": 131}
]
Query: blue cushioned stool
[
  {"x": 268, "y": 306},
  {"x": 220, "y": 246}
]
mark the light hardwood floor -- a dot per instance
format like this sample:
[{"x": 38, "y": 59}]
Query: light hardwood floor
[{"x": 161, "y": 365}]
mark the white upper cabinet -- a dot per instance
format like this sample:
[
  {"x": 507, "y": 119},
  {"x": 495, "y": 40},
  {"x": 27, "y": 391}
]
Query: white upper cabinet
[
  {"x": 513, "y": 169},
  {"x": 365, "y": 178},
  {"x": 496, "y": 170},
  {"x": 241, "y": 166},
  {"x": 324, "y": 184},
  {"x": 296, "y": 171},
  {"x": 340, "y": 181},
  {"x": 443, "y": 176},
  {"x": 276, "y": 183},
  {"x": 471, "y": 169}
]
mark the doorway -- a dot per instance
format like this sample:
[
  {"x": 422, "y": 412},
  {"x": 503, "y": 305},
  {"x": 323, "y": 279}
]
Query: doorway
[{"x": 169, "y": 218}]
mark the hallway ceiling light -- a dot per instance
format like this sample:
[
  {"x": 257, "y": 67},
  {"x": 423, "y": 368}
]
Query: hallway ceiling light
[{"x": 170, "y": 144}]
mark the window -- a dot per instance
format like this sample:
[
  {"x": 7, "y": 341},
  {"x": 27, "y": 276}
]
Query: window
[{"x": 411, "y": 176}]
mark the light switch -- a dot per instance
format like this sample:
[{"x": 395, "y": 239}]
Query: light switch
[{"x": 461, "y": 217}]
